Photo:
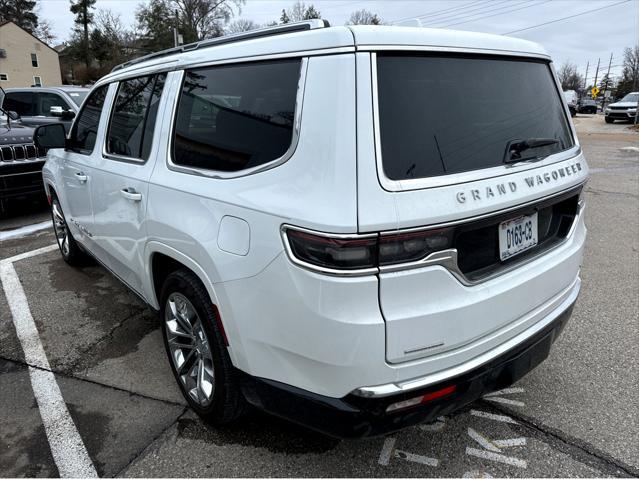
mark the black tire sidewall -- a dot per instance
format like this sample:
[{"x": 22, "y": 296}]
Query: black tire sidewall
[
  {"x": 188, "y": 285},
  {"x": 75, "y": 254}
]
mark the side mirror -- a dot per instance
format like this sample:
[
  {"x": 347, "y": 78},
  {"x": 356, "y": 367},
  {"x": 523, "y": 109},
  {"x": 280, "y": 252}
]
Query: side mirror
[
  {"x": 67, "y": 115},
  {"x": 50, "y": 136},
  {"x": 56, "y": 111},
  {"x": 13, "y": 115}
]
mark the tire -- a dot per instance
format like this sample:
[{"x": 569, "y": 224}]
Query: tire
[
  {"x": 69, "y": 248},
  {"x": 197, "y": 351},
  {"x": 609, "y": 120}
]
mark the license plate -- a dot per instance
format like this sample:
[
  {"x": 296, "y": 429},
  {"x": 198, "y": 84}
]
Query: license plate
[{"x": 517, "y": 235}]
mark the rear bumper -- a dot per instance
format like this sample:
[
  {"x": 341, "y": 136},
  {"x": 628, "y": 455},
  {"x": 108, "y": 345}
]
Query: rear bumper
[{"x": 354, "y": 416}]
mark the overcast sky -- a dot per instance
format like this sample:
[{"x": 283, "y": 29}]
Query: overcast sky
[{"x": 608, "y": 28}]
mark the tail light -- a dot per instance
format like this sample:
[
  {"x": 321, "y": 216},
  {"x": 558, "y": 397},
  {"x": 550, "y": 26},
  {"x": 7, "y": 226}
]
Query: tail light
[
  {"x": 412, "y": 246},
  {"x": 332, "y": 252},
  {"x": 363, "y": 253}
]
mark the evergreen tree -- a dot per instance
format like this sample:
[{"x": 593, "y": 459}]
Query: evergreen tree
[
  {"x": 83, "y": 17},
  {"x": 20, "y": 12}
]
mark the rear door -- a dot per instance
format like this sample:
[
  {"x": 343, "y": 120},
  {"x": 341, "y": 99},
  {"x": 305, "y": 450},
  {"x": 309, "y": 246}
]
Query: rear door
[
  {"x": 445, "y": 132},
  {"x": 122, "y": 173}
]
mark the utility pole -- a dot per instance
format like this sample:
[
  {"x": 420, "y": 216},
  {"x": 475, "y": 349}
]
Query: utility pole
[
  {"x": 596, "y": 74},
  {"x": 175, "y": 30},
  {"x": 586, "y": 76},
  {"x": 603, "y": 100}
]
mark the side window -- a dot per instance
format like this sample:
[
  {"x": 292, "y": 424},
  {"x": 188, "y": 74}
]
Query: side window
[
  {"x": 20, "y": 102},
  {"x": 133, "y": 118},
  {"x": 85, "y": 127},
  {"x": 235, "y": 117},
  {"x": 44, "y": 102}
]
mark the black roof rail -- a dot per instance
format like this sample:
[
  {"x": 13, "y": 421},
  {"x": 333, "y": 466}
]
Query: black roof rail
[{"x": 235, "y": 37}]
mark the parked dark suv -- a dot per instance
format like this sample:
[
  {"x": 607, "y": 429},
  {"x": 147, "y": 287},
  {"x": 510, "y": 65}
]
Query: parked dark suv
[
  {"x": 40, "y": 106},
  {"x": 20, "y": 161},
  {"x": 587, "y": 106}
]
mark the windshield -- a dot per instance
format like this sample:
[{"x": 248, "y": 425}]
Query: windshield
[
  {"x": 630, "y": 97},
  {"x": 77, "y": 96},
  {"x": 440, "y": 115}
]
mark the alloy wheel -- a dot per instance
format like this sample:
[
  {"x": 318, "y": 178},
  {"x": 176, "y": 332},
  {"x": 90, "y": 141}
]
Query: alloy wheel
[
  {"x": 60, "y": 228},
  {"x": 190, "y": 349}
]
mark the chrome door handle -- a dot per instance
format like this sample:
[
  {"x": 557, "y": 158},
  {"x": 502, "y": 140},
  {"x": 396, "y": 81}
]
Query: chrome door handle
[
  {"x": 82, "y": 178},
  {"x": 131, "y": 194}
]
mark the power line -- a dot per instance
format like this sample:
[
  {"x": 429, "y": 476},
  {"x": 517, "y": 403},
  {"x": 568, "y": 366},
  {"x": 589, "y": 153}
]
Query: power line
[
  {"x": 566, "y": 18},
  {"x": 495, "y": 14},
  {"x": 461, "y": 16},
  {"x": 438, "y": 12},
  {"x": 470, "y": 11}
]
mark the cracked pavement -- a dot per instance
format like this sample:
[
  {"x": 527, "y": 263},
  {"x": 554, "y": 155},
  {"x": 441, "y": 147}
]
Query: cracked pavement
[{"x": 576, "y": 415}]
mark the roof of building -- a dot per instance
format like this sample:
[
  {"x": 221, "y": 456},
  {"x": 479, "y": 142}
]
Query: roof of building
[{"x": 6, "y": 22}]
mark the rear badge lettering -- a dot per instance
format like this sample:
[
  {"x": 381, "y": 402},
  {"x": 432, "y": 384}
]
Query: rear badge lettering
[{"x": 501, "y": 189}]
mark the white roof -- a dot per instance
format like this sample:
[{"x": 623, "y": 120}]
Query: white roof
[{"x": 339, "y": 39}]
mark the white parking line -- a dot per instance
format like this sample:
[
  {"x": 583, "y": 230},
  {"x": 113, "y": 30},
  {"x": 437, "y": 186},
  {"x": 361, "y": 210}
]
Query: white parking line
[
  {"x": 518, "y": 441},
  {"x": 387, "y": 451},
  {"x": 482, "y": 441},
  {"x": 509, "y": 402},
  {"x": 492, "y": 417},
  {"x": 503, "y": 392},
  {"x": 419, "y": 459},
  {"x": 25, "y": 230},
  {"x": 492, "y": 456},
  {"x": 67, "y": 447}
]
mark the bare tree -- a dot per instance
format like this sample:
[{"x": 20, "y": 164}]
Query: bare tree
[
  {"x": 569, "y": 78},
  {"x": 202, "y": 19},
  {"x": 44, "y": 32},
  {"x": 630, "y": 75},
  {"x": 298, "y": 12},
  {"x": 241, "y": 25},
  {"x": 364, "y": 17}
]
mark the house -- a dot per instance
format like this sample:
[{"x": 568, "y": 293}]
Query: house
[{"x": 25, "y": 60}]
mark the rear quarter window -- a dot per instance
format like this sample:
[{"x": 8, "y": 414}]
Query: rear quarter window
[
  {"x": 440, "y": 115},
  {"x": 231, "y": 118}
]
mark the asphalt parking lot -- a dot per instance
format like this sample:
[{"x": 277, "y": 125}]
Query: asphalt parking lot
[{"x": 576, "y": 415}]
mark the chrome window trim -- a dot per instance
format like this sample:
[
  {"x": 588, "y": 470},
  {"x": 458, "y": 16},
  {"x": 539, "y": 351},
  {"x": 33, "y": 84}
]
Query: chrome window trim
[
  {"x": 445, "y": 49},
  {"x": 114, "y": 156},
  {"x": 320, "y": 269},
  {"x": 466, "y": 176},
  {"x": 225, "y": 175}
]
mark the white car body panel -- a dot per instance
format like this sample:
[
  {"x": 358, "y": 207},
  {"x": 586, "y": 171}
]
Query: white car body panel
[{"x": 327, "y": 334}]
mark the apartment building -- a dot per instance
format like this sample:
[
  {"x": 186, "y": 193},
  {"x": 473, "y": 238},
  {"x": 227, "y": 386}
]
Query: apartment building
[{"x": 25, "y": 60}]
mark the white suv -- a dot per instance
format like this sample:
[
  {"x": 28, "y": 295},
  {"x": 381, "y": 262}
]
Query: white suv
[{"x": 356, "y": 228}]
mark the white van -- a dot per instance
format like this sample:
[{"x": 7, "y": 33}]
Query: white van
[{"x": 355, "y": 228}]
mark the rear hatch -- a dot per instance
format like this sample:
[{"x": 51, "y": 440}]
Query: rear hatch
[{"x": 474, "y": 171}]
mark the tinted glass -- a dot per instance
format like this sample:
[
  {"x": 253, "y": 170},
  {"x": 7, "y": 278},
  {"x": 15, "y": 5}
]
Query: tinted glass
[
  {"x": 85, "y": 128},
  {"x": 20, "y": 102},
  {"x": 44, "y": 102},
  {"x": 77, "y": 96},
  {"x": 235, "y": 117},
  {"x": 131, "y": 113},
  {"x": 441, "y": 115}
]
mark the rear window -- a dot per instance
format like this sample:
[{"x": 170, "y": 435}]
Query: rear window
[
  {"x": 440, "y": 115},
  {"x": 235, "y": 117}
]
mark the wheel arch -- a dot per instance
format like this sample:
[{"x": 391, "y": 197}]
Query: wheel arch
[{"x": 162, "y": 260}]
